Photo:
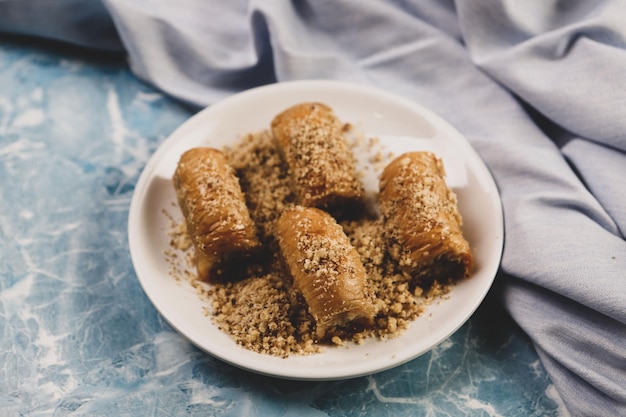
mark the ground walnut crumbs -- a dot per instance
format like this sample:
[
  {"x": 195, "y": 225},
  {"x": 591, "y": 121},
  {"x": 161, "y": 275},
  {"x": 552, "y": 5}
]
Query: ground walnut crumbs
[{"x": 262, "y": 313}]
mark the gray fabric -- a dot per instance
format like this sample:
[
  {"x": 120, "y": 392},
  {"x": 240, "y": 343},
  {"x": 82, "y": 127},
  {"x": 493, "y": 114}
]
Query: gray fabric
[
  {"x": 85, "y": 23},
  {"x": 538, "y": 87}
]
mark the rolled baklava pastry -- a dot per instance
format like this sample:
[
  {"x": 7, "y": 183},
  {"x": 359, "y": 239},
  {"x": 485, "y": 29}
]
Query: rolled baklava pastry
[
  {"x": 326, "y": 269},
  {"x": 321, "y": 164},
  {"x": 214, "y": 209},
  {"x": 422, "y": 221}
]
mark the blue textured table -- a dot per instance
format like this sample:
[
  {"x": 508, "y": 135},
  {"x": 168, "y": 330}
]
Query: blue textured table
[{"x": 78, "y": 337}]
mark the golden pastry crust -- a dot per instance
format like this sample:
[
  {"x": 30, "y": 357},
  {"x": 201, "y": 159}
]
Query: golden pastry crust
[
  {"x": 422, "y": 221},
  {"x": 311, "y": 140},
  {"x": 214, "y": 209},
  {"x": 326, "y": 269}
]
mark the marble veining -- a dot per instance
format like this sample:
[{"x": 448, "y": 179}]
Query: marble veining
[{"x": 78, "y": 335}]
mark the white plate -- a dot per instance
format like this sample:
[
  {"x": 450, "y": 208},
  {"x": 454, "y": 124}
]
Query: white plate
[{"x": 401, "y": 125}]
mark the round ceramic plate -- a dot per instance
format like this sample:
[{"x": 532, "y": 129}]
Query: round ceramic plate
[{"x": 400, "y": 125}]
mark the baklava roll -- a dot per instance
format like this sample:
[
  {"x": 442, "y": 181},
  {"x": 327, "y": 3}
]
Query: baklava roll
[
  {"x": 326, "y": 269},
  {"x": 321, "y": 164},
  {"x": 214, "y": 209},
  {"x": 422, "y": 221}
]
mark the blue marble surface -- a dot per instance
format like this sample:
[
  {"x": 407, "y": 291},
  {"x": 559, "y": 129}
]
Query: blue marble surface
[{"x": 78, "y": 337}]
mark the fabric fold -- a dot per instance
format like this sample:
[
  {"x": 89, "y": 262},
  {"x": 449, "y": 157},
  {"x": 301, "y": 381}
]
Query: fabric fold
[
  {"x": 194, "y": 51},
  {"x": 566, "y": 61},
  {"x": 583, "y": 382},
  {"x": 84, "y": 23}
]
